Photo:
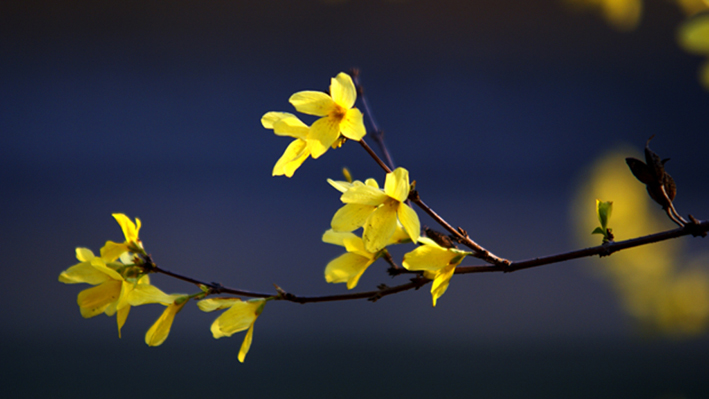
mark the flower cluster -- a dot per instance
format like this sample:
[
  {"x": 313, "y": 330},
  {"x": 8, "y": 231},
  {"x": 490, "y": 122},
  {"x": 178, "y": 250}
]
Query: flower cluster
[
  {"x": 120, "y": 275},
  {"x": 121, "y": 280}
]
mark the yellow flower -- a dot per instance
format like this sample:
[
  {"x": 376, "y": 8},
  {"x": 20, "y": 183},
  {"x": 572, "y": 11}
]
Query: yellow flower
[
  {"x": 112, "y": 292},
  {"x": 350, "y": 266},
  {"x": 336, "y": 110},
  {"x": 158, "y": 332},
  {"x": 693, "y": 36},
  {"x": 240, "y": 316},
  {"x": 377, "y": 211},
  {"x": 112, "y": 250},
  {"x": 437, "y": 263},
  {"x": 285, "y": 124}
]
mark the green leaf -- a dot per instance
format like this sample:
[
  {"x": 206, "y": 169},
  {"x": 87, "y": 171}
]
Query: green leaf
[{"x": 599, "y": 230}]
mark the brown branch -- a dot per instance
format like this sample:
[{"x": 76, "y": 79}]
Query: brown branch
[
  {"x": 460, "y": 234},
  {"x": 695, "y": 228}
]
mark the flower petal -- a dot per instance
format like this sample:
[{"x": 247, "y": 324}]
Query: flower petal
[
  {"x": 380, "y": 226},
  {"x": 397, "y": 184},
  {"x": 343, "y": 91},
  {"x": 121, "y": 317},
  {"x": 130, "y": 229},
  {"x": 212, "y": 304},
  {"x": 158, "y": 332},
  {"x": 237, "y": 318},
  {"x": 94, "y": 301},
  {"x": 441, "y": 282},
  {"x": 83, "y": 272},
  {"x": 336, "y": 237},
  {"x": 112, "y": 250},
  {"x": 410, "y": 220},
  {"x": 364, "y": 195},
  {"x": 291, "y": 126},
  {"x": 312, "y": 103},
  {"x": 352, "y": 125},
  {"x": 428, "y": 257},
  {"x": 296, "y": 153},
  {"x": 323, "y": 133},
  {"x": 84, "y": 254},
  {"x": 145, "y": 293},
  {"x": 351, "y": 217},
  {"x": 270, "y": 118},
  {"x": 246, "y": 345},
  {"x": 348, "y": 268}
]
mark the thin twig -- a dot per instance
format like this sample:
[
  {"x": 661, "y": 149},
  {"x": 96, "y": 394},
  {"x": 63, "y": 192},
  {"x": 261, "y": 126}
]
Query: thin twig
[{"x": 377, "y": 134}]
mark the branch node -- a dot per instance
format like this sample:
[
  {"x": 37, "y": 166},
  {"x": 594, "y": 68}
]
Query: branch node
[{"x": 694, "y": 226}]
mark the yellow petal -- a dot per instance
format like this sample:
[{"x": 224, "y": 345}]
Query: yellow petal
[
  {"x": 428, "y": 257},
  {"x": 323, "y": 133},
  {"x": 291, "y": 126},
  {"x": 343, "y": 91},
  {"x": 355, "y": 245},
  {"x": 441, "y": 282},
  {"x": 410, "y": 220},
  {"x": 340, "y": 185},
  {"x": 397, "y": 184},
  {"x": 351, "y": 217},
  {"x": 296, "y": 153},
  {"x": 352, "y": 125},
  {"x": 270, "y": 118},
  {"x": 84, "y": 254},
  {"x": 130, "y": 229},
  {"x": 371, "y": 183},
  {"x": 212, "y": 304},
  {"x": 83, "y": 272},
  {"x": 312, "y": 103},
  {"x": 364, "y": 195},
  {"x": 336, "y": 237},
  {"x": 158, "y": 332},
  {"x": 121, "y": 317},
  {"x": 145, "y": 293},
  {"x": 380, "y": 226},
  {"x": 237, "y": 318},
  {"x": 93, "y": 301},
  {"x": 348, "y": 268},
  {"x": 246, "y": 345},
  {"x": 112, "y": 250}
]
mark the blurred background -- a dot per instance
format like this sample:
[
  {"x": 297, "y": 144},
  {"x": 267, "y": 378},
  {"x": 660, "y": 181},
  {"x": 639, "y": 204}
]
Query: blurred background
[{"x": 513, "y": 116}]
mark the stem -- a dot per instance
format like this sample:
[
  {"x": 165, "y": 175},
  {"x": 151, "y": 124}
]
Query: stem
[
  {"x": 375, "y": 156},
  {"x": 377, "y": 134},
  {"x": 606, "y": 249},
  {"x": 460, "y": 234}
]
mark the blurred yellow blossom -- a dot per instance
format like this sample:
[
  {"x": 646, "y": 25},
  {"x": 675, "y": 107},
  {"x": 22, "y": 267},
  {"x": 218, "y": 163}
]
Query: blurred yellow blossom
[
  {"x": 656, "y": 284},
  {"x": 693, "y": 36},
  {"x": 622, "y": 14}
]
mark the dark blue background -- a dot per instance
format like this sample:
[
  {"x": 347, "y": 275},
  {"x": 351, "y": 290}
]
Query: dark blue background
[{"x": 496, "y": 108}]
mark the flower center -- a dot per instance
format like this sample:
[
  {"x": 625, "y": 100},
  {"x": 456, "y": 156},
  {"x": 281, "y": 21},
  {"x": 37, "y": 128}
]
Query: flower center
[{"x": 338, "y": 112}]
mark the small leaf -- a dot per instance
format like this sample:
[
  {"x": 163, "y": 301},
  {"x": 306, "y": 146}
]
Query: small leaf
[
  {"x": 598, "y": 230},
  {"x": 604, "y": 209}
]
